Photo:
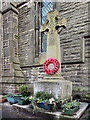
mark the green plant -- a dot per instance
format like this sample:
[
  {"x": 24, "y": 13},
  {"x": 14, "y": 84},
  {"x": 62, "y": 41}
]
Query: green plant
[
  {"x": 70, "y": 105},
  {"x": 23, "y": 89},
  {"x": 39, "y": 100},
  {"x": 12, "y": 95},
  {"x": 43, "y": 95},
  {"x": 31, "y": 98},
  {"x": 39, "y": 94},
  {"x": 3, "y": 97},
  {"x": 25, "y": 98},
  {"x": 88, "y": 95}
]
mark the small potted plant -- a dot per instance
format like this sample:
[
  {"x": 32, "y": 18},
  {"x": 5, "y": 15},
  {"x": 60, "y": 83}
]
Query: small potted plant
[
  {"x": 45, "y": 104},
  {"x": 45, "y": 100},
  {"x": 70, "y": 107},
  {"x": 24, "y": 101},
  {"x": 3, "y": 99},
  {"x": 13, "y": 98},
  {"x": 24, "y": 91}
]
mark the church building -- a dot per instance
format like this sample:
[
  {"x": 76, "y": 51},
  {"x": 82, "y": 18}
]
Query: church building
[{"x": 23, "y": 47}]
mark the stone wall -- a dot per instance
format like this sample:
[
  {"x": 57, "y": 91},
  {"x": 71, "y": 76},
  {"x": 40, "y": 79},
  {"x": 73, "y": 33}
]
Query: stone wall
[
  {"x": 1, "y": 38},
  {"x": 28, "y": 29},
  {"x": 74, "y": 45},
  {"x": 26, "y": 35},
  {"x": 12, "y": 73}
]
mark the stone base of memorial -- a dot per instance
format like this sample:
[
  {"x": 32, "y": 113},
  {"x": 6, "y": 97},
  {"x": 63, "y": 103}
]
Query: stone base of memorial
[{"x": 60, "y": 88}]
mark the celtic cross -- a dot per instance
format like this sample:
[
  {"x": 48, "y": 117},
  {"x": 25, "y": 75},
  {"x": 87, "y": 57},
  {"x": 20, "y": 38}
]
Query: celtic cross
[{"x": 53, "y": 26}]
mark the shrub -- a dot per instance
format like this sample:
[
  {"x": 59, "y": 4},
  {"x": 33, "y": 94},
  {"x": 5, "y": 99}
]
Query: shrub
[
  {"x": 43, "y": 95},
  {"x": 70, "y": 105},
  {"x": 23, "y": 89}
]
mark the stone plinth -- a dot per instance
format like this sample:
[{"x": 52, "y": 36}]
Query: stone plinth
[{"x": 60, "y": 88}]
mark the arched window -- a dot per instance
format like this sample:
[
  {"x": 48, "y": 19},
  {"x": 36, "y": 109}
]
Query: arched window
[{"x": 45, "y": 8}]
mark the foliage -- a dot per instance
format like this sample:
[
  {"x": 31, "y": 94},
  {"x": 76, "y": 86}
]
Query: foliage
[
  {"x": 40, "y": 100},
  {"x": 12, "y": 95},
  {"x": 43, "y": 95},
  {"x": 25, "y": 98},
  {"x": 23, "y": 89},
  {"x": 70, "y": 105},
  {"x": 31, "y": 98},
  {"x": 3, "y": 96},
  {"x": 88, "y": 95}
]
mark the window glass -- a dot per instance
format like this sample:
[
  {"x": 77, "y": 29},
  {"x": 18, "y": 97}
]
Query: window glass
[{"x": 45, "y": 8}]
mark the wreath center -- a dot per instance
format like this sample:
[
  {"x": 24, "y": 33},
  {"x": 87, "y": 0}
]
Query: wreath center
[{"x": 51, "y": 66}]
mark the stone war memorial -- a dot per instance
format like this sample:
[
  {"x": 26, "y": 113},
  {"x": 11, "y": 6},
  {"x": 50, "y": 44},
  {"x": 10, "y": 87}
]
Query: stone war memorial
[
  {"x": 45, "y": 47},
  {"x": 54, "y": 83}
]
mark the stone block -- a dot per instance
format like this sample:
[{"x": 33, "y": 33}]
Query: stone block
[{"x": 60, "y": 88}]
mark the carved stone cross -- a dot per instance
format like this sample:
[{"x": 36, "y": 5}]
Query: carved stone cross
[
  {"x": 54, "y": 84},
  {"x": 53, "y": 26}
]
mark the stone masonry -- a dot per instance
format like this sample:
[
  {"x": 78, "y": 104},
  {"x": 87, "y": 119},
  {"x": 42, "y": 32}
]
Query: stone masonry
[
  {"x": 74, "y": 45},
  {"x": 1, "y": 38},
  {"x": 74, "y": 41},
  {"x": 12, "y": 73}
]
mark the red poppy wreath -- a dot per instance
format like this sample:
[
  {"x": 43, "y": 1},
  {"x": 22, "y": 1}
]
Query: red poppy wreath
[{"x": 53, "y": 61}]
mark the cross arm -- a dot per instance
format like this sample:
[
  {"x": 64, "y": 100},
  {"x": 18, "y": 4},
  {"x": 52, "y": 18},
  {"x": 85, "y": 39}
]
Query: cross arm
[
  {"x": 44, "y": 27},
  {"x": 61, "y": 23}
]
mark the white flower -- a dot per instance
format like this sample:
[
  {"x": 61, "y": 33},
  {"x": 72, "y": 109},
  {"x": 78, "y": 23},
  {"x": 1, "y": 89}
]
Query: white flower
[
  {"x": 51, "y": 100},
  {"x": 30, "y": 97}
]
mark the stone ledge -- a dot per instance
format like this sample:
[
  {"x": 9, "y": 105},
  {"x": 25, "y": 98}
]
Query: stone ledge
[
  {"x": 55, "y": 115},
  {"x": 23, "y": 108},
  {"x": 57, "y": 80}
]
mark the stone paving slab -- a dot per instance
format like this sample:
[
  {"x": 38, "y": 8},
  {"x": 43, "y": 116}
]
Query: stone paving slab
[
  {"x": 9, "y": 113},
  {"x": 56, "y": 115},
  {"x": 23, "y": 108}
]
